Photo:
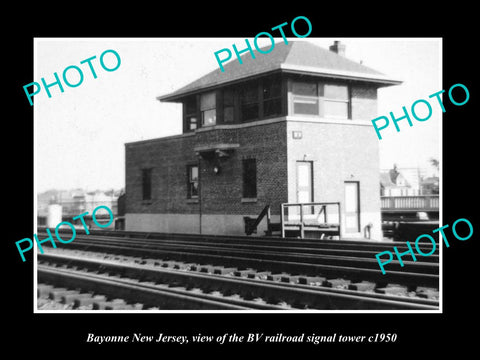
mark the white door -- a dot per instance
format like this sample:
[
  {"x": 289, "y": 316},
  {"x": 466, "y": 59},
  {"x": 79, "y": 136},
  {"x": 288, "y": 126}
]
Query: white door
[{"x": 352, "y": 208}]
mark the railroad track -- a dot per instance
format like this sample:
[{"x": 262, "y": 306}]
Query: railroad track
[
  {"x": 79, "y": 276},
  {"x": 352, "y": 260}
]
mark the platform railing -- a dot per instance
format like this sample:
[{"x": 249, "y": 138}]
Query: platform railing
[
  {"x": 420, "y": 202},
  {"x": 315, "y": 216}
]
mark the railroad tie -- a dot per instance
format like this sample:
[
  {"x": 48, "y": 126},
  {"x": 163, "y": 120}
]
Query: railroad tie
[
  {"x": 311, "y": 280},
  {"x": 43, "y": 290},
  {"x": 427, "y": 293},
  {"x": 71, "y": 297},
  {"x": 115, "y": 304},
  {"x": 392, "y": 290},
  {"x": 283, "y": 277},
  {"x": 362, "y": 286},
  {"x": 86, "y": 301},
  {"x": 244, "y": 273},
  {"x": 220, "y": 270},
  {"x": 57, "y": 293},
  {"x": 336, "y": 283}
]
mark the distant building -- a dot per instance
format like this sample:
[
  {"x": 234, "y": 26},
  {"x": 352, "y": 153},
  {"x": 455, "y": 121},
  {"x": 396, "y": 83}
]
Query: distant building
[
  {"x": 400, "y": 182},
  {"x": 286, "y": 127},
  {"x": 75, "y": 202},
  {"x": 407, "y": 182},
  {"x": 430, "y": 186}
]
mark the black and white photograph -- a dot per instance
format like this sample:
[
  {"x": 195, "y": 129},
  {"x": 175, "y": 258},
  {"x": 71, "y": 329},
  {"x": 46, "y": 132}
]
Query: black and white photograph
[
  {"x": 259, "y": 185},
  {"x": 273, "y": 185}
]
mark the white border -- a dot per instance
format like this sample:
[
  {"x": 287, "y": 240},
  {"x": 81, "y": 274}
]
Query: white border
[{"x": 306, "y": 312}]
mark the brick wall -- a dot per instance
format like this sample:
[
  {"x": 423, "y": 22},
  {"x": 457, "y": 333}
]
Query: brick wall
[{"x": 220, "y": 193}]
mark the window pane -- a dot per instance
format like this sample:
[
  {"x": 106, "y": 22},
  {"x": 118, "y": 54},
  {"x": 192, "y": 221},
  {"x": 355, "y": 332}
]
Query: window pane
[
  {"x": 194, "y": 189},
  {"x": 338, "y": 109},
  {"x": 194, "y": 173},
  {"x": 228, "y": 114},
  {"x": 146, "y": 184},
  {"x": 304, "y": 105},
  {"x": 228, "y": 97},
  {"x": 249, "y": 178},
  {"x": 191, "y": 105},
  {"x": 338, "y": 92},
  {"x": 192, "y": 181},
  {"x": 304, "y": 88},
  {"x": 207, "y": 101},
  {"x": 250, "y": 94},
  {"x": 272, "y": 107},
  {"x": 192, "y": 122},
  {"x": 209, "y": 117},
  {"x": 249, "y": 112},
  {"x": 271, "y": 89}
]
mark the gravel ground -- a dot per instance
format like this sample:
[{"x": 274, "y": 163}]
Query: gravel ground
[{"x": 48, "y": 304}]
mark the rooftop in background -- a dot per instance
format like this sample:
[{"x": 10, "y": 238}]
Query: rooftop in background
[{"x": 297, "y": 57}]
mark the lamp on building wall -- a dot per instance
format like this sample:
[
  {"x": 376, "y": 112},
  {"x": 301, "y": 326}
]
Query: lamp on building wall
[{"x": 216, "y": 169}]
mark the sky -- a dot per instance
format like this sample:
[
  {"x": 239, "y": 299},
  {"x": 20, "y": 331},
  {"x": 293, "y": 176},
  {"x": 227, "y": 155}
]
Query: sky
[{"x": 80, "y": 133}]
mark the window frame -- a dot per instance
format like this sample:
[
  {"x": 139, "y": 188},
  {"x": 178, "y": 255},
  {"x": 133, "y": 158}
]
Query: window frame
[
  {"x": 147, "y": 189},
  {"x": 228, "y": 105},
  {"x": 346, "y": 101},
  {"x": 255, "y": 102},
  {"x": 305, "y": 98},
  {"x": 212, "y": 107},
  {"x": 273, "y": 81},
  {"x": 249, "y": 181},
  {"x": 319, "y": 100},
  {"x": 190, "y": 114},
  {"x": 191, "y": 181}
]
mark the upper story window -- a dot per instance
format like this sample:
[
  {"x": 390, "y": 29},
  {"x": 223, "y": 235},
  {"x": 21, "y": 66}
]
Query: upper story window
[
  {"x": 325, "y": 100},
  {"x": 243, "y": 102},
  {"x": 272, "y": 97},
  {"x": 208, "y": 109},
  {"x": 228, "y": 106},
  {"x": 191, "y": 116},
  {"x": 146, "y": 184},
  {"x": 305, "y": 98},
  {"x": 249, "y": 102},
  {"x": 335, "y": 101}
]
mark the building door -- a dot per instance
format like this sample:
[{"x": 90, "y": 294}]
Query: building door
[
  {"x": 304, "y": 182},
  {"x": 352, "y": 206}
]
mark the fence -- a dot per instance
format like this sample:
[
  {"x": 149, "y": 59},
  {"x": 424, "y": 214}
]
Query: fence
[
  {"x": 422, "y": 202},
  {"x": 319, "y": 217}
]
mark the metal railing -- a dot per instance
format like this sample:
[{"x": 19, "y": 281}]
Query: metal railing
[
  {"x": 420, "y": 202},
  {"x": 322, "y": 217}
]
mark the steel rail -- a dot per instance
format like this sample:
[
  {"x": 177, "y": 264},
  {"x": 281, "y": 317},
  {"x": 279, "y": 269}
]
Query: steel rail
[
  {"x": 284, "y": 248},
  {"x": 426, "y": 273},
  {"x": 260, "y": 240},
  {"x": 153, "y": 295},
  {"x": 293, "y": 294}
]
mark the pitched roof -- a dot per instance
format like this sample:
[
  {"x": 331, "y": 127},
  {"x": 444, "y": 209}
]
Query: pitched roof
[
  {"x": 386, "y": 180},
  {"x": 296, "y": 57}
]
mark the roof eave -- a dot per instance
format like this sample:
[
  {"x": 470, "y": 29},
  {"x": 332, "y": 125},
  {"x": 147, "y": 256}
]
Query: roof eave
[
  {"x": 176, "y": 95},
  {"x": 379, "y": 79}
]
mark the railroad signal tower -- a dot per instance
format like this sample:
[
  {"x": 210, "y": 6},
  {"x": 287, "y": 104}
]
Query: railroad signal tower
[{"x": 291, "y": 126}]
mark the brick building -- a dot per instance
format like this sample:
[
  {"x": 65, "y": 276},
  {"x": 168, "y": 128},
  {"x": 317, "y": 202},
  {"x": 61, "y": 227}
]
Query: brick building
[{"x": 291, "y": 126}]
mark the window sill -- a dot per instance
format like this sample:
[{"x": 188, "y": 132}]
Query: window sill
[
  {"x": 192, "y": 201},
  {"x": 146, "y": 202},
  {"x": 249, "y": 200}
]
